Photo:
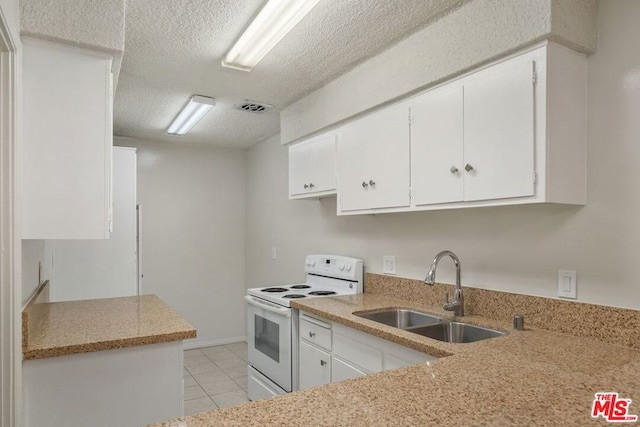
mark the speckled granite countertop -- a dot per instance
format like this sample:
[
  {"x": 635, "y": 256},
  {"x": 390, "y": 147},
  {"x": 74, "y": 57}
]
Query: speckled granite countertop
[
  {"x": 59, "y": 328},
  {"x": 531, "y": 377}
]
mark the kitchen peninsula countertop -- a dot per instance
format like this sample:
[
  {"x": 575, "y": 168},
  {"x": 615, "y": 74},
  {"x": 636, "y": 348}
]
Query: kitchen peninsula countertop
[
  {"x": 61, "y": 328},
  {"x": 530, "y": 377}
]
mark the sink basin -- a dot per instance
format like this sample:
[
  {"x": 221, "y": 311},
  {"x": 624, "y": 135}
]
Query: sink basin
[
  {"x": 400, "y": 318},
  {"x": 455, "y": 332}
]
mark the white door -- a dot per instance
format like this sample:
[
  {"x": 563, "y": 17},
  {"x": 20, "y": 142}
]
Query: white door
[
  {"x": 269, "y": 340},
  {"x": 436, "y": 146},
  {"x": 373, "y": 161},
  {"x": 342, "y": 370},
  {"x": 323, "y": 153},
  {"x": 87, "y": 269},
  {"x": 499, "y": 133},
  {"x": 315, "y": 366},
  {"x": 299, "y": 168}
]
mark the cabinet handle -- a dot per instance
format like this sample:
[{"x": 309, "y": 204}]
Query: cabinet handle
[
  {"x": 364, "y": 184},
  {"x": 453, "y": 170},
  {"x": 312, "y": 334},
  {"x": 468, "y": 167},
  {"x": 372, "y": 182},
  {"x": 306, "y": 186},
  {"x": 311, "y": 185},
  {"x": 322, "y": 363}
]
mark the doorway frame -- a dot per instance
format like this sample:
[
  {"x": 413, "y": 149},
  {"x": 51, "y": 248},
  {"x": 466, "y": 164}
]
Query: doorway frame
[{"x": 10, "y": 239}]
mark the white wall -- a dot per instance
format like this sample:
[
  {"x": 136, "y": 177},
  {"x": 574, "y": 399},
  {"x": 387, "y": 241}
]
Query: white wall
[
  {"x": 517, "y": 249},
  {"x": 36, "y": 254},
  {"x": 193, "y": 209},
  {"x": 475, "y": 33}
]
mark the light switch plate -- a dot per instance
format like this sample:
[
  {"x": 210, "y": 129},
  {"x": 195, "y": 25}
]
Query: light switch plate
[
  {"x": 567, "y": 284},
  {"x": 388, "y": 264}
]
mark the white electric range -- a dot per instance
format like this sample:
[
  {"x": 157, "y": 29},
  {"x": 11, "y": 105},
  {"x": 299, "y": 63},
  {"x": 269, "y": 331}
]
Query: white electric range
[{"x": 272, "y": 325}]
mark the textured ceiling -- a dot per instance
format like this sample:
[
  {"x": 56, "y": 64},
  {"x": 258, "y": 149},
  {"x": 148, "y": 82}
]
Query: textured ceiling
[{"x": 173, "y": 49}]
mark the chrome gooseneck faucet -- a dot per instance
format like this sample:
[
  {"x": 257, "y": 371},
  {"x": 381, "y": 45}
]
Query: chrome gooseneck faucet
[{"x": 457, "y": 305}]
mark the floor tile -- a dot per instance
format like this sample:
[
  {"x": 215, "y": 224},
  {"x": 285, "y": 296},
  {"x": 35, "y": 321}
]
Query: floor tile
[
  {"x": 242, "y": 354},
  {"x": 239, "y": 346},
  {"x": 240, "y": 371},
  {"x": 196, "y": 360},
  {"x": 221, "y": 386},
  {"x": 204, "y": 367},
  {"x": 202, "y": 404},
  {"x": 224, "y": 400},
  {"x": 210, "y": 377},
  {"x": 241, "y": 381},
  {"x": 194, "y": 392},
  {"x": 221, "y": 355},
  {"x": 214, "y": 349},
  {"x": 191, "y": 353},
  {"x": 230, "y": 363},
  {"x": 189, "y": 381}
]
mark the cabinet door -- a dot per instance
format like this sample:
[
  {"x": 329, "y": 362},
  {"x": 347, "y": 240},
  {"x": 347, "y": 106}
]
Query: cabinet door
[
  {"x": 373, "y": 161},
  {"x": 499, "y": 133},
  {"x": 315, "y": 366},
  {"x": 436, "y": 147},
  {"x": 323, "y": 168},
  {"x": 342, "y": 370},
  {"x": 299, "y": 168},
  {"x": 67, "y": 136}
]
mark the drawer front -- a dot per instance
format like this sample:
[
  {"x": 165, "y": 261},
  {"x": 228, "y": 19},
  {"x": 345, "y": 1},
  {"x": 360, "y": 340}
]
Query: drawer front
[
  {"x": 316, "y": 334},
  {"x": 361, "y": 354}
]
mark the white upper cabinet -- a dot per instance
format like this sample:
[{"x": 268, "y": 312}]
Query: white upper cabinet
[
  {"x": 437, "y": 159},
  {"x": 373, "y": 161},
  {"x": 499, "y": 121},
  {"x": 67, "y": 139},
  {"x": 312, "y": 167},
  {"x": 510, "y": 133}
]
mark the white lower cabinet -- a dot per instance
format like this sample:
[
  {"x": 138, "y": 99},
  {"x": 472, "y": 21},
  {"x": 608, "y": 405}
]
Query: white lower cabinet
[
  {"x": 342, "y": 370},
  {"x": 339, "y": 353},
  {"x": 315, "y": 366}
]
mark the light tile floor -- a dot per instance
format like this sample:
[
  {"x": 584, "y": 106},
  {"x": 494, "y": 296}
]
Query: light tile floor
[{"x": 215, "y": 377}]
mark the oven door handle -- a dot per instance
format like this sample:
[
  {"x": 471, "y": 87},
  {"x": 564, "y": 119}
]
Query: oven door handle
[{"x": 282, "y": 311}]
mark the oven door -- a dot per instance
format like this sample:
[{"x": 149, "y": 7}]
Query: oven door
[{"x": 269, "y": 340}]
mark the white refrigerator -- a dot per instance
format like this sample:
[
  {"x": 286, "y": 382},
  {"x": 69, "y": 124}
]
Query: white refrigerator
[{"x": 88, "y": 269}]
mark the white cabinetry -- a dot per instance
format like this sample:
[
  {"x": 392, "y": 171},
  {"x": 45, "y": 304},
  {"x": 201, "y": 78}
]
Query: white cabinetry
[
  {"x": 88, "y": 269},
  {"x": 312, "y": 167},
  {"x": 314, "y": 352},
  {"x": 511, "y": 133},
  {"x": 331, "y": 352},
  {"x": 436, "y": 146},
  {"x": 373, "y": 161},
  {"x": 67, "y": 138}
]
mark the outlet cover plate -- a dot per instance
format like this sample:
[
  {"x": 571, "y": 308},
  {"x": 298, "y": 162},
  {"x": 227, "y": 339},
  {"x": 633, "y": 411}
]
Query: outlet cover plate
[
  {"x": 388, "y": 264},
  {"x": 567, "y": 284}
]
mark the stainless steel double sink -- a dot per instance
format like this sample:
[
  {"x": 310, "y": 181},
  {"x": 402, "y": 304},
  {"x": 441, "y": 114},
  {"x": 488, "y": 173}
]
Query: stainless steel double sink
[{"x": 429, "y": 326}]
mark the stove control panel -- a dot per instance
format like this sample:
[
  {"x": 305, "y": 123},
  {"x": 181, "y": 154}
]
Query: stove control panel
[{"x": 334, "y": 266}]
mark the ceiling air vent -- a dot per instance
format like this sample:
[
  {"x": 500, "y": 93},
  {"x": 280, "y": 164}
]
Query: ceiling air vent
[{"x": 253, "y": 107}]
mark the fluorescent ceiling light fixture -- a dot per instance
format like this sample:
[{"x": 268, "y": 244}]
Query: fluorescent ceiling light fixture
[
  {"x": 190, "y": 114},
  {"x": 273, "y": 22}
]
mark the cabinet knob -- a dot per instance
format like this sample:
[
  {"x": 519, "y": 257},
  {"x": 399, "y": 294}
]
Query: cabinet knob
[
  {"x": 453, "y": 170},
  {"x": 364, "y": 184},
  {"x": 372, "y": 182},
  {"x": 468, "y": 167},
  {"x": 306, "y": 186},
  {"x": 311, "y": 185},
  {"x": 312, "y": 334},
  {"x": 322, "y": 363}
]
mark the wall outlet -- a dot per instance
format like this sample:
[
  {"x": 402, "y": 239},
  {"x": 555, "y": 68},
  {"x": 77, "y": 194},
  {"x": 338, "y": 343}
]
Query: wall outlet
[
  {"x": 388, "y": 264},
  {"x": 274, "y": 252},
  {"x": 567, "y": 284}
]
